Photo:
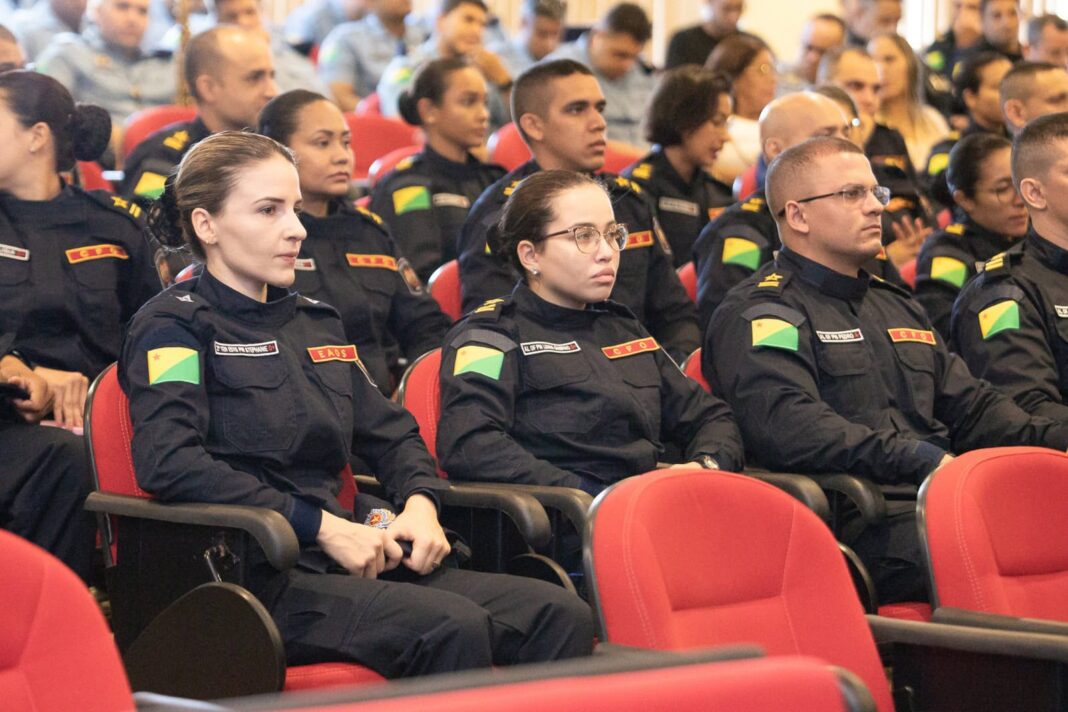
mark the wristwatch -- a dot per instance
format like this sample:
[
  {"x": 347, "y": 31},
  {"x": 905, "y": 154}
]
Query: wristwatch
[{"x": 708, "y": 462}]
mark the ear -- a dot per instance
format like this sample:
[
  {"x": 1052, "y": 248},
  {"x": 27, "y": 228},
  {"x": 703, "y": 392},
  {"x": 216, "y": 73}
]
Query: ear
[
  {"x": 204, "y": 226},
  {"x": 1014, "y": 113},
  {"x": 206, "y": 88},
  {"x": 427, "y": 111},
  {"x": 40, "y": 137},
  {"x": 528, "y": 255},
  {"x": 796, "y": 219},
  {"x": 969, "y": 97},
  {"x": 533, "y": 126},
  {"x": 963, "y": 201},
  {"x": 1033, "y": 193},
  {"x": 772, "y": 148}
]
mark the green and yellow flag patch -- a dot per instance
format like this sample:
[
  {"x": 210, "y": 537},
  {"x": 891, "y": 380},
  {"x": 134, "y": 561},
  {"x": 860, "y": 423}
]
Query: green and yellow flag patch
[
  {"x": 774, "y": 333},
  {"x": 949, "y": 270},
  {"x": 482, "y": 360},
  {"x": 1003, "y": 316},
  {"x": 173, "y": 363},
  {"x": 150, "y": 185},
  {"x": 739, "y": 251},
  {"x": 415, "y": 197}
]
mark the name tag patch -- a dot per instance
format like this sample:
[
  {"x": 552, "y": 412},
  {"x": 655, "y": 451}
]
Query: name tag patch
[
  {"x": 683, "y": 207},
  {"x": 264, "y": 348},
  {"x": 305, "y": 265},
  {"x": 379, "y": 261},
  {"x": 322, "y": 354},
  {"x": 630, "y": 348},
  {"x": 639, "y": 239},
  {"x": 1062, "y": 312},
  {"x": 451, "y": 200},
  {"x": 95, "y": 252},
  {"x": 840, "y": 337},
  {"x": 544, "y": 347},
  {"x": 916, "y": 335},
  {"x": 14, "y": 253}
]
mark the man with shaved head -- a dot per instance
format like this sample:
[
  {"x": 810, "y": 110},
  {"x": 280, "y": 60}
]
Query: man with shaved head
[
  {"x": 1030, "y": 90},
  {"x": 744, "y": 237},
  {"x": 230, "y": 75},
  {"x": 829, "y": 369}
]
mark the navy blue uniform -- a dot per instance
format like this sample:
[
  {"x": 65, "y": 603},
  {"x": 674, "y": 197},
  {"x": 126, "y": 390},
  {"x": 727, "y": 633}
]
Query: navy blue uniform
[
  {"x": 646, "y": 282},
  {"x": 156, "y": 157},
  {"x": 540, "y": 394},
  {"x": 682, "y": 207},
  {"x": 350, "y": 262},
  {"x": 1011, "y": 325},
  {"x": 425, "y": 201},
  {"x": 893, "y": 168},
  {"x": 240, "y": 402}
]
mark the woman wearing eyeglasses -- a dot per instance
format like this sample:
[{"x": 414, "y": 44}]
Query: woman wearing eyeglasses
[
  {"x": 994, "y": 217},
  {"x": 558, "y": 385}
]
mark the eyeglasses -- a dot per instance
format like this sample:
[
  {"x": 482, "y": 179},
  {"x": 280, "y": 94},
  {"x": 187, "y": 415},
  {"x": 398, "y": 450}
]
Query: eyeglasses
[
  {"x": 1006, "y": 193},
  {"x": 850, "y": 194},
  {"x": 586, "y": 237}
]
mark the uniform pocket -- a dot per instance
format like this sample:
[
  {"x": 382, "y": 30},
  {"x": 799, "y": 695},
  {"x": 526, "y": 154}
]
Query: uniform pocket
[
  {"x": 844, "y": 370},
  {"x": 919, "y": 370},
  {"x": 642, "y": 377},
  {"x": 256, "y": 407},
  {"x": 13, "y": 272},
  {"x": 554, "y": 400}
]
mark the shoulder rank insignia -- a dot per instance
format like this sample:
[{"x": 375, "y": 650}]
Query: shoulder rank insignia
[
  {"x": 404, "y": 163},
  {"x": 753, "y": 205},
  {"x": 955, "y": 229},
  {"x": 643, "y": 171},
  {"x": 772, "y": 280},
  {"x": 126, "y": 206},
  {"x": 938, "y": 163},
  {"x": 177, "y": 140},
  {"x": 367, "y": 213},
  {"x": 999, "y": 317},
  {"x": 489, "y": 305},
  {"x": 624, "y": 182},
  {"x": 994, "y": 263},
  {"x": 510, "y": 187}
]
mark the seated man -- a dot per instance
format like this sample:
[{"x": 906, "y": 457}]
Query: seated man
[
  {"x": 953, "y": 45},
  {"x": 865, "y": 19},
  {"x": 1010, "y": 324},
  {"x": 612, "y": 49},
  {"x": 37, "y": 24},
  {"x": 692, "y": 45},
  {"x": 1001, "y": 28},
  {"x": 11, "y": 54},
  {"x": 558, "y": 107},
  {"x": 820, "y": 34},
  {"x": 831, "y": 370},
  {"x": 308, "y": 24},
  {"x": 1030, "y": 90},
  {"x": 541, "y": 26},
  {"x": 1047, "y": 40}
]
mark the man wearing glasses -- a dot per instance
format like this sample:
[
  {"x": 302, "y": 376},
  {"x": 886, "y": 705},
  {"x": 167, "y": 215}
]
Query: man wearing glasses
[
  {"x": 1011, "y": 323},
  {"x": 831, "y": 370}
]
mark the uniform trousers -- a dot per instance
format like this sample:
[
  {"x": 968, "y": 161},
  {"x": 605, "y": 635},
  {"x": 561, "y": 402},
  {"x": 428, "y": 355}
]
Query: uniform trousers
[{"x": 890, "y": 549}]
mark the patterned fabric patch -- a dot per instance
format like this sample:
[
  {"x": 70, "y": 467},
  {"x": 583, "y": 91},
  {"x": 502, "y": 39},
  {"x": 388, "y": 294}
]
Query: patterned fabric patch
[
  {"x": 173, "y": 364},
  {"x": 483, "y": 360},
  {"x": 1003, "y": 316},
  {"x": 739, "y": 251},
  {"x": 774, "y": 333}
]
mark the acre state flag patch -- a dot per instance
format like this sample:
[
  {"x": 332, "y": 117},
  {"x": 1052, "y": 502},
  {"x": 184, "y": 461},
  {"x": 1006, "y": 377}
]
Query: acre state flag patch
[
  {"x": 150, "y": 185},
  {"x": 739, "y": 251},
  {"x": 483, "y": 360},
  {"x": 775, "y": 334},
  {"x": 173, "y": 364},
  {"x": 1003, "y": 316},
  {"x": 949, "y": 270},
  {"x": 415, "y": 197}
]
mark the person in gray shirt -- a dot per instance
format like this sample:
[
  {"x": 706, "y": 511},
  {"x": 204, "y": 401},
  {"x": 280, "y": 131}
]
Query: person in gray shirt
[
  {"x": 36, "y": 25},
  {"x": 309, "y": 23},
  {"x": 541, "y": 27}
]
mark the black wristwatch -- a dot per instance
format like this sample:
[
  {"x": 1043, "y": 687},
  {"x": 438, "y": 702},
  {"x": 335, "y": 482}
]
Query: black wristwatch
[{"x": 708, "y": 462}]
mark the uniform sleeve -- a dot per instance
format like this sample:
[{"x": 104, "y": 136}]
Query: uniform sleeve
[
  {"x": 408, "y": 208},
  {"x": 338, "y": 61},
  {"x": 774, "y": 392},
  {"x": 721, "y": 265},
  {"x": 1015, "y": 356},
  {"x": 701, "y": 424},
  {"x": 478, "y": 413},
  {"x": 142, "y": 281},
  {"x": 170, "y": 419},
  {"x": 415, "y": 319},
  {"x": 670, "y": 316},
  {"x": 482, "y": 275},
  {"x": 939, "y": 276},
  {"x": 57, "y": 63}
]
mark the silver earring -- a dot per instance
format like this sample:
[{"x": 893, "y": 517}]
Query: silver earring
[{"x": 534, "y": 272}]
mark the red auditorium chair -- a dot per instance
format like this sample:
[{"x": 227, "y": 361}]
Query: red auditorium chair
[
  {"x": 141, "y": 124},
  {"x": 506, "y": 148},
  {"x": 745, "y": 184},
  {"x": 444, "y": 286},
  {"x": 688, "y": 276},
  {"x": 908, "y": 273},
  {"x": 56, "y": 652},
  {"x": 388, "y": 162},
  {"x": 619, "y": 156},
  {"x": 370, "y": 104},
  {"x": 373, "y": 136},
  {"x": 91, "y": 177},
  {"x": 682, "y": 559}
]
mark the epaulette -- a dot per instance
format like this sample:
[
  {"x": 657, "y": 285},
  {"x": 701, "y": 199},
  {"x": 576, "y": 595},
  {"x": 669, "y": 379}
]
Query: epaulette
[
  {"x": 879, "y": 282},
  {"x": 177, "y": 140},
  {"x": 955, "y": 228},
  {"x": 490, "y": 310},
  {"x": 752, "y": 205},
  {"x": 772, "y": 282},
  {"x": 953, "y": 135},
  {"x": 178, "y": 300},
  {"x": 123, "y": 206},
  {"x": 999, "y": 265},
  {"x": 643, "y": 171},
  {"x": 372, "y": 216},
  {"x": 304, "y": 302},
  {"x": 404, "y": 163},
  {"x": 623, "y": 183},
  {"x": 510, "y": 187}
]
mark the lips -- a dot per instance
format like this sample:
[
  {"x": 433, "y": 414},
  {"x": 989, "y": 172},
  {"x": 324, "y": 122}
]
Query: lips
[{"x": 605, "y": 276}]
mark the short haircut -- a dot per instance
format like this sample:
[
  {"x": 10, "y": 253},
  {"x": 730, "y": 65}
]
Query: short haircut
[
  {"x": 830, "y": 17},
  {"x": 790, "y": 166},
  {"x": 1031, "y": 154},
  {"x": 528, "y": 93},
  {"x": 969, "y": 73},
  {"x": 1020, "y": 80},
  {"x": 551, "y": 9},
  {"x": 828, "y": 68},
  {"x": 684, "y": 99},
  {"x": 967, "y": 157},
  {"x": 983, "y": 4},
  {"x": 734, "y": 53},
  {"x": 448, "y": 6},
  {"x": 1036, "y": 25},
  {"x": 838, "y": 95},
  {"x": 626, "y": 18}
]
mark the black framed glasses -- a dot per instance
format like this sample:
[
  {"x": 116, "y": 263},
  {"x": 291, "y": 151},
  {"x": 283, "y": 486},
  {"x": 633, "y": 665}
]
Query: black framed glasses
[
  {"x": 586, "y": 237},
  {"x": 850, "y": 194}
]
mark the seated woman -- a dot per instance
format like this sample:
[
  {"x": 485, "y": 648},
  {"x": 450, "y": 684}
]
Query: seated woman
[
  {"x": 242, "y": 392},
  {"x": 425, "y": 199},
  {"x": 556, "y": 385},
  {"x": 687, "y": 121},
  {"x": 74, "y": 266},
  {"x": 349, "y": 260},
  {"x": 994, "y": 217}
]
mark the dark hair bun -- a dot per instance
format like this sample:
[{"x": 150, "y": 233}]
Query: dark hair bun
[
  {"x": 91, "y": 132},
  {"x": 164, "y": 218},
  {"x": 408, "y": 106}
]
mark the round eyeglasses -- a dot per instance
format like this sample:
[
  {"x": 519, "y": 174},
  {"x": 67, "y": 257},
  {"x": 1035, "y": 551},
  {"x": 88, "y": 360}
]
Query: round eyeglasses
[{"x": 586, "y": 237}]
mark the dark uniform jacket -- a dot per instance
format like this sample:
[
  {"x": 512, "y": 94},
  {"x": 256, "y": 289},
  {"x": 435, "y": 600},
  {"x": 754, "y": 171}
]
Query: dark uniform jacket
[
  {"x": 154, "y": 158},
  {"x": 737, "y": 243},
  {"x": 646, "y": 282},
  {"x": 536, "y": 393},
  {"x": 829, "y": 373},
  {"x": 893, "y": 168},
  {"x": 73, "y": 270},
  {"x": 349, "y": 261},
  {"x": 425, "y": 201},
  {"x": 934, "y": 177},
  {"x": 1011, "y": 325},
  {"x": 234, "y": 401},
  {"x": 683, "y": 208},
  {"x": 947, "y": 261}
]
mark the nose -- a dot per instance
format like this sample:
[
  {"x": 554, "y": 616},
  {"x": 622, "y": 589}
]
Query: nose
[
  {"x": 598, "y": 122},
  {"x": 873, "y": 204},
  {"x": 294, "y": 228},
  {"x": 271, "y": 90}
]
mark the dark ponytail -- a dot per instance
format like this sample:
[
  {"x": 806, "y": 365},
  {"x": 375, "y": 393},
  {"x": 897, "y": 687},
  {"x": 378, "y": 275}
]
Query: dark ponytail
[
  {"x": 431, "y": 81},
  {"x": 278, "y": 118},
  {"x": 967, "y": 158}
]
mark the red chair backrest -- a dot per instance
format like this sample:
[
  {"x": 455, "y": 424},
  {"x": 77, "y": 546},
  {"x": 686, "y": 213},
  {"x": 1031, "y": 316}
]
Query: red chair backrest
[
  {"x": 141, "y": 124},
  {"x": 993, "y": 523},
  {"x": 91, "y": 177},
  {"x": 420, "y": 392},
  {"x": 374, "y": 136},
  {"x": 56, "y": 651},
  {"x": 908, "y": 272},
  {"x": 506, "y": 148},
  {"x": 688, "y": 276},
  {"x": 389, "y": 161},
  {"x": 746, "y": 184},
  {"x": 692, "y": 368},
  {"x": 444, "y": 286},
  {"x": 370, "y": 104},
  {"x": 187, "y": 273},
  {"x": 110, "y": 433},
  {"x": 683, "y": 559},
  {"x": 619, "y": 157}
]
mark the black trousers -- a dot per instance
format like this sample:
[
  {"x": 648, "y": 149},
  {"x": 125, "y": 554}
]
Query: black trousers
[
  {"x": 44, "y": 478},
  {"x": 403, "y": 624},
  {"x": 891, "y": 551}
]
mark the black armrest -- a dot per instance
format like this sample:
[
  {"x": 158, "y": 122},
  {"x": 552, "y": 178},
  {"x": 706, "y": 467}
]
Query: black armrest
[
  {"x": 865, "y": 495},
  {"x": 1038, "y": 646},
  {"x": 992, "y": 621},
  {"x": 801, "y": 487},
  {"x": 269, "y": 528},
  {"x": 573, "y": 503}
]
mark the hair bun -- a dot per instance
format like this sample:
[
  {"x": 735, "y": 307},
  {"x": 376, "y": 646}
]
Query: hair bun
[
  {"x": 164, "y": 218},
  {"x": 408, "y": 106},
  {"x": 91, "y": 132}
]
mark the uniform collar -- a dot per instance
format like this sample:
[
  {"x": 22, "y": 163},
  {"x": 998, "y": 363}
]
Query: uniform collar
[
  {"x": 825, "y": 279},
  {"x": 450, "y": 167},
  {"x": 279, "y": 308},
  {"x": 64, "y": 209},
  {"x": 1049, "y": 254},
  {"x": 549, "y": 313},
  {"x": 658, "y": 158},
  {"x": 975, "y": 231},
  {"x": 198, "y": 131}
]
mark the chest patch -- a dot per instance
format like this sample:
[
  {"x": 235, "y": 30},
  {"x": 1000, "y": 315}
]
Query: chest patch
[
  {"x": 639, "y": 239},
  {"x": 451, "y": 200},
  {"x": 14, "y": 253},
  {"x": 322, "y": 354},
  {"x": 840, "y": 337},
  {"x": 1062, "y": 312},
  {"x": 95, "y": 252},
  {"x": 530, "y": 348},
  {"x": 630, "y": 348},
  {"x": 264, "y": 348},
  {"x": 682, "y": 207},
  {"x": 918, "y": 336},
  {"x": 305, "y": 265},
  {"x": 379, "y": 261}
]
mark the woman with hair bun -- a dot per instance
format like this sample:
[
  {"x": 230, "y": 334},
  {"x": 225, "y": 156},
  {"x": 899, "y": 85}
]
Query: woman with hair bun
[
  {"x": 426, "y": 198},
  {"x": 242, "y": 392},
  {"x": 74, "y": 265}
]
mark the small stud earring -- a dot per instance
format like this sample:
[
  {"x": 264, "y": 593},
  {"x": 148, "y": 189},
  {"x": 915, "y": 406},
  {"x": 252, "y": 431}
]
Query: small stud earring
[{"x": 534, "y": 272}]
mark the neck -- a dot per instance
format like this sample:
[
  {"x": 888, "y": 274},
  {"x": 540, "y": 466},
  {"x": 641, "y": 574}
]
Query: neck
[
  {"x": 553, "y": 297},
  {"x": 1050, "y": 228},
  {"x": 316, "y": 205},
  {"x": 251, "y": 288},
  {"x": 682, "y": 164},
  {"x": 552, "y": 162},
  {"x": 444, "y": 49},
  {"x": 446, "y": 148},
  {"x": 213, "y": 121},
  {"x": 395, "y": 25},
  {"x": 747, "y": 112},
  {"x": 44, "y": 184},
  {"x": 836, "y": 263}
]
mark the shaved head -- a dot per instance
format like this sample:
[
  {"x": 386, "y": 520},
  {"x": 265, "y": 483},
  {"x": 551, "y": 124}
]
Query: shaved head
[
  {"x": 789, "y": 174},
  {"x": 794, "y": 118}
]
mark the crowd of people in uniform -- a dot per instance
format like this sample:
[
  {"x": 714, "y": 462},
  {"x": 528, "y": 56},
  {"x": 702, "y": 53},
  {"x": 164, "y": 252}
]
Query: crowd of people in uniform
[{"x": 879, "y": 237}]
